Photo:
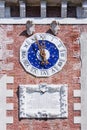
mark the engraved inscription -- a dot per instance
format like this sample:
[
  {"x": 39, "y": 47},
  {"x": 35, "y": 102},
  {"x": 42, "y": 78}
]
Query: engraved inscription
[
  {"x": 44, "y": 72},
  {"x": 23, "y": 54},
  {"x": 26, "y": 63},
  {"x": 54, "y": 69},
  {"x": 34, "y": 70},
  {"x": 43, "y": 101}
]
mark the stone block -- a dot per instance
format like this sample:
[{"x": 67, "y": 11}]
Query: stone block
[
  {"x": 43, "y": 8},
  {"x": 9, "y": 93},
  {"x": 79, "y": 12},
  {"x": 64, "y": 8},
  {"x": 77, "y": 93},
  {"x": 9, "y": 120},
  {"x": 84, "y": 7},
  {"x": 7, "y": 67},
  {"x": 9, "y": 106},
  {"x": 77, "y": 106},
  {"x": 9, "y": 40},
  {"x": 77, "y": 120},
  {"x": 22, "y": 9},
  {"x": 2, "y": 9},
  {"x": 7, "y": 12}
]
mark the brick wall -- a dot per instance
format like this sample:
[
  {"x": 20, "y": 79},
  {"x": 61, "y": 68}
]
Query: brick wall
[{"x": 70, "y": 75}]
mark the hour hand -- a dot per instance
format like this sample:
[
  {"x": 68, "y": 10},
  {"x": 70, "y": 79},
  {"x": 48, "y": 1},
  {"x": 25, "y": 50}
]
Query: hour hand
[
  {"x": 43, "y": 56},
  {"x": 42, "y": 52}
]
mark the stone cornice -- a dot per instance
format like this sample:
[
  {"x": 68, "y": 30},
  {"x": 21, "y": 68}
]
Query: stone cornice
[{"x": 43, "y": 20}]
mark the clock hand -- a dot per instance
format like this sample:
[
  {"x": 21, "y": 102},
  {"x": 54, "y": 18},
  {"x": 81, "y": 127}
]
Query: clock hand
[
  {"x": 42, "y": 52},
  {"x": 43, "y": 56}
]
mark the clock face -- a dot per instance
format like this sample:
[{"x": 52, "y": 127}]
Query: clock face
[{"x": 43, "y": 54}]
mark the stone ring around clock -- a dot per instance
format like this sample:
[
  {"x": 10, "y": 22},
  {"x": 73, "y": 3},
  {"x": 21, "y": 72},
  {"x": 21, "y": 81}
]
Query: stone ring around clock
[{"x": 55, "y": 51}]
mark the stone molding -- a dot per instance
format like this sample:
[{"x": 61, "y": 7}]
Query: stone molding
[{"x": 43, "y": 20}]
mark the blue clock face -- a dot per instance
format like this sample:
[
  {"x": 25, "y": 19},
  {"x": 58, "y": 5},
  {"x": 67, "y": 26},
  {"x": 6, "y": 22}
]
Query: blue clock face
[
  {"x": 43, "y": 54},
  {"x": 52, "y": 55}
]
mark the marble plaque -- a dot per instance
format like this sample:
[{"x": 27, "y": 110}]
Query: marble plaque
[{"x": 43, "y": 101}]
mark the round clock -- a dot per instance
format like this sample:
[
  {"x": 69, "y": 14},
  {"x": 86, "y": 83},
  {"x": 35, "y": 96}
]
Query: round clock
[{"x": 43, "y": 54}]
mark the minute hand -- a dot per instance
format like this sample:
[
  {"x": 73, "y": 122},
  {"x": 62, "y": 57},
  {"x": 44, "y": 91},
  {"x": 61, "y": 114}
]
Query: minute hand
[{"x": 42, "y": 53}]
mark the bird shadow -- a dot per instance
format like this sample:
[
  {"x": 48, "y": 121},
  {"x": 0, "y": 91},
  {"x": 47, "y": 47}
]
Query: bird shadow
[
  {"x": 50, "y": 32},
  {"x": 24, "y": 33}
]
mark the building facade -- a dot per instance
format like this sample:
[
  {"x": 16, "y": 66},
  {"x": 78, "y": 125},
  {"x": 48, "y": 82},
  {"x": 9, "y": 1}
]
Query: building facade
[{"x": 43, "y": 92}]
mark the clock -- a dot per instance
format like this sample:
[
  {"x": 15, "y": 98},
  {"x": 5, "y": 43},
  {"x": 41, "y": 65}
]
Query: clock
[{"x": 43, "y": 54}]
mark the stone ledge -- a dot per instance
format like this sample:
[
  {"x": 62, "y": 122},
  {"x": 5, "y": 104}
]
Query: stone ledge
[
  {"x": 9, "y": 93},
  {"x": 77, "y": 120},
  {"x": 38, "y": 20},
  {"x": 77, "y": 93},
  {"x": 9, "y": 120},
  {"x": 9, "y": 106},
  {"x": 77, "y": 106}
]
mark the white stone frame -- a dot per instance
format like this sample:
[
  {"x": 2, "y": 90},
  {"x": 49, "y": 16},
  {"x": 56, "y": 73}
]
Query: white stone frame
[
  {"x": 43, "y": 72},
  {"x": 52, "y": 101},
  {"x": 45, "y": 21}
]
